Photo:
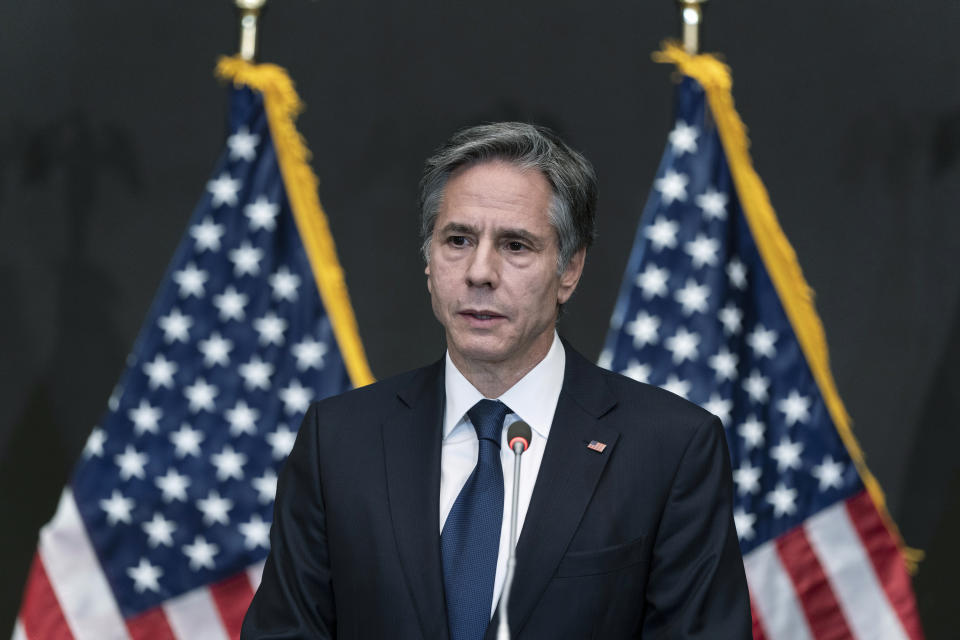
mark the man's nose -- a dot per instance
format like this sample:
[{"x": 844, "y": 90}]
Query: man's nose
[{"x": 484, "y": 267}]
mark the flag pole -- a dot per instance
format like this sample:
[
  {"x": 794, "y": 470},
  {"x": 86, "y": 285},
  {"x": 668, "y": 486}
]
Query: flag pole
[
  {"x": 691, "y": 16},
  {"x": 249, "y": 14}
]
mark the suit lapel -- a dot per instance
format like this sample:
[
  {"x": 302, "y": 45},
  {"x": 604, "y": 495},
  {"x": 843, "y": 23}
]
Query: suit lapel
[
  {"x": 568, "y": 475},
  {"x": 412, "y": 439}
]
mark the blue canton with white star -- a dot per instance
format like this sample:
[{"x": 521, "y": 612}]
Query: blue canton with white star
[
  {"x": 699, "y": 316},
  {"x": 176, "y": 485}
]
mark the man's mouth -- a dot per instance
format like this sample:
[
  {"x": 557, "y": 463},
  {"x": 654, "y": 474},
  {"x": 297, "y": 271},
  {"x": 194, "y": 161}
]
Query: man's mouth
[{"x": 481, "y": 314}]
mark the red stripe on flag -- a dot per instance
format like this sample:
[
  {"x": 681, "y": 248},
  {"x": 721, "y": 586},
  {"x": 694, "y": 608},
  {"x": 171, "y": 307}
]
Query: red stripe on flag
[
  {"x": 757, "y": 625},
  {"x": 40, "y": 613},
  {"x": 232, "y": 597},
  {"x": 820, "y": 605},
  {"x": 152, "y": 624},
  {"x": 886, "y": 560}
]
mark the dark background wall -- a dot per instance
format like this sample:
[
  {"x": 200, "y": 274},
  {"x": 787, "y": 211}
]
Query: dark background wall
[{"x": 110, "y": 122}]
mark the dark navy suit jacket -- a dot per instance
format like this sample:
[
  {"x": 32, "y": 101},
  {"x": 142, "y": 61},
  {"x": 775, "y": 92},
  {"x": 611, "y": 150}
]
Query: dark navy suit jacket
[{"x": 635, "y": 541}]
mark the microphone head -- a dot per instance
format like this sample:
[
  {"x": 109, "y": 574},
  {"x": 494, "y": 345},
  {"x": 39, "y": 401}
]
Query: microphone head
[{"x": 519, "y": 432}]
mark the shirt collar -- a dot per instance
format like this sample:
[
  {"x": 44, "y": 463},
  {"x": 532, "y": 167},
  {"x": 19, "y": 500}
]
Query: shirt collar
[{"x": 533, "y": 397}]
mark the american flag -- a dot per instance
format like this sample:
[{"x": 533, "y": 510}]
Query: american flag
[
  {"x": 163, "y": 528},
  {"x": 700, "y": 314}
]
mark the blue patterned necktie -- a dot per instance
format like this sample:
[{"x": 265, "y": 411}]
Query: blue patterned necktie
[{"x": 470, "y": 540}]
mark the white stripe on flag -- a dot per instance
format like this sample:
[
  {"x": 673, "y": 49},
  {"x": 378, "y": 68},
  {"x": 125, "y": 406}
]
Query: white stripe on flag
[
  {"x": 837, "y": 544},
  {"x": 18, "y": 632},
  {"x": 772, "y": 592},
  {"x": 255, "y": 574},
  {"x": 75, "y": 575},
  {"x": 194, "y": 615}
]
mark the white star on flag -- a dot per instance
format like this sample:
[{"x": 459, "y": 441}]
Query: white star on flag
[
  {"x": 271, "y": 328},
  {"x": 724, "y": 364},
  {"x": 713, "y": 203},
  {"x": 117, "y": 508},
  {"x": 230, "y": 304},
  {"x": 683, "y": 138},
  {"x": 200, "y": 395},
  {"x": 683, "y": 345},
  {"x": 159, "y": 531},
  {"x": 296, "y": 398},
  {"x": 256, "y": 373},
  {"x": 756, "y": 386},
  {"x": 246, "y": 259},
  {"x": 653, "y": 282},
  {"x": 829, "y": 473},
  {"x": 266, "y": 486},
  {"x": 229, "y": 464},
  {"x": 160, "y": 372},
  {"x": 672, "y": 186},
  {"x": 243, "y": 145},
  {"x": 256, "y": 533},
  {"x": 737, "y": 272},
  {"x": 186, "y": 441},
  {"x": 207, "y": 235},
  {"x": 190, "y": 280},
  {"x": 215, "y": 509},
  {"x": 761, "y": 340},
  {"x": 201, "y": 553},
  {"x": 173, "y": 486},
  {"x": 787, "y": 454},
  {"x": 262, "y": 214},
  {"x": 285, "y": 284},
  {"x": 795, "y": 408},
  {"x": 730, "y": 317},
  {"x": 747, "y": 478},
  {"x": 693, "y": 297},
  {"x": 752, "y": 432},
  {"x": 783, "y": 500},
  {"x": 281, "y": 441},
  {"x": 223, "y": 190},
  {"x": 309, "y": 354},
  {"x": 643, "y": 328},
  {"x": 216, "y": 350},
  {"x": 175, "y": 326},
  {"x": 145, "y": 576},
  {"x": 131, "y": 463},
  {"x": 702, "y": 251},
  {"x": 662, "y": 233},
  {"x": 744, "y": 522},
  {"x": 145, "y": 418}
]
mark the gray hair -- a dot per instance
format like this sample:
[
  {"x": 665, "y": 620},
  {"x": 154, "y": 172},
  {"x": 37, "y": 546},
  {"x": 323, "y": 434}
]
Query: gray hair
[{"x": 571, "y": 176}]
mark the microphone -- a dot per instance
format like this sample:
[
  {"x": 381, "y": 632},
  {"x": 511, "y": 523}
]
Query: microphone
[{"x": 518, "y": 439}]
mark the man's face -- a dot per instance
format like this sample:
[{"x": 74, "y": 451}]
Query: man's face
[{"x": 492, "y": 273}]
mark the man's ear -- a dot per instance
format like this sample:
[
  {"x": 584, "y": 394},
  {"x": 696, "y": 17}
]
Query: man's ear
[
  {"x": 426, "y": 270},
  {"x": 571, "y": 276}
]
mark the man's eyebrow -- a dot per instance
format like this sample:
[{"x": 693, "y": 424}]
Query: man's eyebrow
[{"x": 458, "y": 227}]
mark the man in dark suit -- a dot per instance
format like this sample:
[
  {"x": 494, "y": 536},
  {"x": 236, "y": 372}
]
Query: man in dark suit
[{"x": 390, "y": 513}]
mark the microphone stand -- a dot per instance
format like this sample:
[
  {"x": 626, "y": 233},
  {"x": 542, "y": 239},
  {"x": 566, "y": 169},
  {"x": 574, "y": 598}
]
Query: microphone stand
[{"x": 503, "y": 630}]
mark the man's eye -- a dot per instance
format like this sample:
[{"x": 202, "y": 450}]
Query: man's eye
[
  {"x": 457, "y": 241},
  {"x": 515, "y": 246}
]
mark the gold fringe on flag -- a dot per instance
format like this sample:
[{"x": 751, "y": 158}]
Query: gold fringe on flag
[
  {"x": 779, "y": 258},
  {"x": 283, "y": 105}
]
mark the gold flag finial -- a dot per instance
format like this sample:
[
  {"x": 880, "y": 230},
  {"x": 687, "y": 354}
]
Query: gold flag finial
[
  {"x": 249, "y": 14},
  {"x": 691, "y": 15}
]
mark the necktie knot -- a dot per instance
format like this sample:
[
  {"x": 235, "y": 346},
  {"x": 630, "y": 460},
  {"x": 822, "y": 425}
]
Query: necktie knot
[{"x": 487, "y": 418}]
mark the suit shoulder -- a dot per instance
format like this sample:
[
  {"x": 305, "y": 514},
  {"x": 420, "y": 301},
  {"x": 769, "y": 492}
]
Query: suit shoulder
[{"x": 366, "y": 405}]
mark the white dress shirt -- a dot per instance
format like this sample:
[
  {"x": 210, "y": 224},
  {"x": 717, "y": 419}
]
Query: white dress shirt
[{"x": 532, "y": 399}]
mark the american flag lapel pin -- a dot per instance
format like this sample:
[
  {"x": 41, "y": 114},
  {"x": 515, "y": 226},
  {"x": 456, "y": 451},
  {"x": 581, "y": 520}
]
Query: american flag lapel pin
[{"x": 596, "y": 445}]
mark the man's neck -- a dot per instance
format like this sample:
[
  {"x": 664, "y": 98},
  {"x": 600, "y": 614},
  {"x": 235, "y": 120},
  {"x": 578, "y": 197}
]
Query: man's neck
[{"x": 493, "y": 379}]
